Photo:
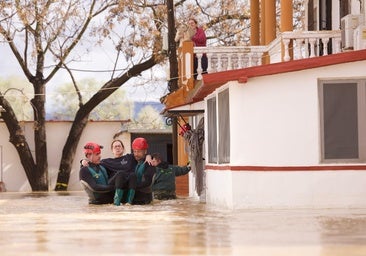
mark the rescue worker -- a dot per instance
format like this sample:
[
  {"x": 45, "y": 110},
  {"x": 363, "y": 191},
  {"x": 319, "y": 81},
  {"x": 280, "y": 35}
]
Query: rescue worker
[
  {"x": 144, "y": 172},
  {"x": 164, "y": 181},
  {"x": 94, "y": 177},
  {"x": 121, "y": 170}
]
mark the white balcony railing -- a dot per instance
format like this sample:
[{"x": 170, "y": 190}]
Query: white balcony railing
[
  {"x": 305, "y": 44},
  {"x": 308, "y": 44}
]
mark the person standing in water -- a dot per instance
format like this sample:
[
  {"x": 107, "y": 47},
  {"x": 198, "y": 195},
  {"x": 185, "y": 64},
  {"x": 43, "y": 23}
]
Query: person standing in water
[
  {"x": 144, "y": 172},
  {"x": 94, "y": 177},
  {"x": 164, "y": 181}
]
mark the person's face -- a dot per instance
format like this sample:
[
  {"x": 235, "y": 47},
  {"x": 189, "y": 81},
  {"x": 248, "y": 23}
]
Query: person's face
[
  {"x": 139, "y": 154},
  {"x": 117, "y": 149},
  {"x": 95, "y": 158},
  {"x": 192, "y": 24},
  {"x": 155, "y": 162}
]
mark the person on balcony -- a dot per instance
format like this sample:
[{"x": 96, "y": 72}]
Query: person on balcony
[
  {"x": 199, "y": 40},
  {"x": 164, "y": 181}
]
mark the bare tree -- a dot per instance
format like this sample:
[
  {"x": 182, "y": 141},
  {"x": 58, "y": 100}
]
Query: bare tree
[
  {"x": 45, "y": 37},
  {"x": 43, "y": 34}
]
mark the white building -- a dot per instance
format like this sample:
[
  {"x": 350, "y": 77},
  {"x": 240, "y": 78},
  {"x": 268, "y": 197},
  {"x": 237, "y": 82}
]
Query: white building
[{"x": 289, "y": 130}]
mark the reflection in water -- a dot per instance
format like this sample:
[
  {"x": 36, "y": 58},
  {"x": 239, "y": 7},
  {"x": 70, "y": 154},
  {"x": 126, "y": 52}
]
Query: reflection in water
[
  {"x": 64, "y": 224},
  {"x": 343, "y": 232}
]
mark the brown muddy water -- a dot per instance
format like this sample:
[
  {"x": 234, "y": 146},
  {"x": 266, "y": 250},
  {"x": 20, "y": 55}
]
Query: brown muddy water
[{"x": 65, "y": 224}]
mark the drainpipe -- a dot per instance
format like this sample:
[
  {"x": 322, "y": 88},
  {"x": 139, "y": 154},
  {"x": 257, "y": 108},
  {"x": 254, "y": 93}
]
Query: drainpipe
[
  {"x": 175, "y": 140},
  {"x": 2, "y": 184}
]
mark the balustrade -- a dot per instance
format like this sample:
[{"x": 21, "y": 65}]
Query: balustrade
[{"x": 305, "y": 44}]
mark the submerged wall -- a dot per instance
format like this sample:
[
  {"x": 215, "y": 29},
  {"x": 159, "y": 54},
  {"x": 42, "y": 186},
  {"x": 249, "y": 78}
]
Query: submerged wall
[
  {"x": 275, "y": 146},
  {"x": 13, "y": 173}
]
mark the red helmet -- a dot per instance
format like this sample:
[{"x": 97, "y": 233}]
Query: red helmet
[
  {"x": 139, "y": 144},
  {"x": 91, "y": 148}
]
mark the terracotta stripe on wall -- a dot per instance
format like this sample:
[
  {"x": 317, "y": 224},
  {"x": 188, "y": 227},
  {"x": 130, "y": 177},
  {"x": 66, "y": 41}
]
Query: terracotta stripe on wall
[{"x": 288, "y": 168}]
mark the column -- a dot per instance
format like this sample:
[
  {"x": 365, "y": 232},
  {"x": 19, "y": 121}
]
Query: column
[
  {"x": 269, "y": 13},
  {"x": 287, "y": 24},
  {"x": 254, "y": 21}
]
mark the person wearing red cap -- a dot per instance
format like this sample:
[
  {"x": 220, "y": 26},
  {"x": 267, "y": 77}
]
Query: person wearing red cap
[
  {"x": 144, "y": 172},
  {"x": 94, "y": 177},
  {"x": 121, "y": 170}
]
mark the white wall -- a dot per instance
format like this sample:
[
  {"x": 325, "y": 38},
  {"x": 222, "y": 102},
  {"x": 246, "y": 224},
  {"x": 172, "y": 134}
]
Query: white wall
[
  {"x": 219, "y": 188},
  {"x": 99, "y": 132},
  {"x": 305, "y": 189},
  {"x": 274, "y": 120}
]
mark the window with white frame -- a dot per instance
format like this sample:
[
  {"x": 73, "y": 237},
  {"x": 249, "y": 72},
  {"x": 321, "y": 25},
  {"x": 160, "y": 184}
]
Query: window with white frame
[
  {"x": 211, "y": 130},
  {"x": 343, "y": 120},
  {"x": 218, "y": 125}
]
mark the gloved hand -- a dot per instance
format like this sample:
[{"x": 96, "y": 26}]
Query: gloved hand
[
  {"x": 84, "y": 162},
  {"x": 189, "y": 165}
]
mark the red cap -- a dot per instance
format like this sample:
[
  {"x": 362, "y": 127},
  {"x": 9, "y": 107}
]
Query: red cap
[
  {"x": 92, "y": 147},
  {"x": 139, "y": 144}
]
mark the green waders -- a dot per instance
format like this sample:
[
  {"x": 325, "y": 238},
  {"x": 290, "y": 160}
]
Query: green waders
[
  {"x": 118, "y": 196},
  {"x": 130, "y": 196}
]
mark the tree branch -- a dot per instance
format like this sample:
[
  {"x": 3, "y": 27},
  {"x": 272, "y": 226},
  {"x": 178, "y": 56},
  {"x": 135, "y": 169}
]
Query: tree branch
[
  {"x": 73, "y": 44},
  {"x": 75, "y": 85},
  {"x": 16, "y": 53}
]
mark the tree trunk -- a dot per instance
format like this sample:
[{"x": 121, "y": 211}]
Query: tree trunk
[
  {"x": 172, "y": 50},
  {"x": 40, "y": 180},
  {"x": 19, "y": 141},
  {"x": 68, "y": 153},
  {"x": 81, "y": 119}
]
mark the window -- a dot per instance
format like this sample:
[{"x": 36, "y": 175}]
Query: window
[
  {"x": 218, "y": 128},
  {"x": 224, "y": 127},
  {"x": 211, "y": 131},
  {"x": 343, "y": 119}
]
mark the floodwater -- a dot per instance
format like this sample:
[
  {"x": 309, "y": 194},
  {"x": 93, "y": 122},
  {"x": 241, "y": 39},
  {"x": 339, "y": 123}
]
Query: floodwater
[{"x": 64, "y": 224}]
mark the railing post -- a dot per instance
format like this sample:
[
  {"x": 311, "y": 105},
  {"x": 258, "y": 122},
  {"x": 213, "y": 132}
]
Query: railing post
[
  {"x": 306, "y": 43},
  {"x": 250, "y": 59},
  {"x": 229, "y": 61},
  {"x": 219, "y": 62},
  {"x": 199, "y": 66},
  {"x": 260, "y": 58},
  {"x": 209, "y": 62},
  {"x": 312, "y": 42},
  {"x": 325, "y": 45},
  {"x": 297, "y": 54},
  {"x": 240, "y": 60},
  {"x": 186, "y": 65},
  {"x": 337, "y": 45}
]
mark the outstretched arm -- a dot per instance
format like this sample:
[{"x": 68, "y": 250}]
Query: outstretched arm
[{"x": 180, "y": 170}]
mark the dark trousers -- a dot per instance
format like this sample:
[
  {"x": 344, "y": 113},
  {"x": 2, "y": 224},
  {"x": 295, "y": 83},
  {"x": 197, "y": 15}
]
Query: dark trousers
[
  {"x": 125, "y": 180},
  {"x": 142, "y": 198}
]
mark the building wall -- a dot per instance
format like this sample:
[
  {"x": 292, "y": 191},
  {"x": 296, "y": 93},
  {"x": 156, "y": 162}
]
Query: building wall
[
  {"x": 13, "y": 174},
  {"x": 274, "y": 119},
  {"x": 275, "y": 136},
  {"x": 304, "y": 189}
]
